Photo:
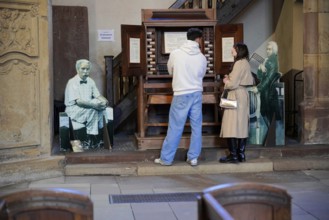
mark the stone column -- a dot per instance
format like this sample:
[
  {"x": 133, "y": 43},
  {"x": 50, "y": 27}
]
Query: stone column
[
  {"x": 26, "y": 92},
  {"x": 315, "y": 107}
]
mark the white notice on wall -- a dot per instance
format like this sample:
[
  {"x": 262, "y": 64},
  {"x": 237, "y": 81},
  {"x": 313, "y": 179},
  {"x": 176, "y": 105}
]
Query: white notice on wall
[
  {"x": 227, "y": 44},
  {"x": 173, "y": 40},
  {"x": 105, "y": 35},
  {"x": 134, "y": 45}
]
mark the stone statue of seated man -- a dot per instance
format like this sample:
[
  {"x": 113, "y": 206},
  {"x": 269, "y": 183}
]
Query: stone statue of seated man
[{"x": 85, "y": 106}]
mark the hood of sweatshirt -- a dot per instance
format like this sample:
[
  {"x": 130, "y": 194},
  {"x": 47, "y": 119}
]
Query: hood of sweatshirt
[{"x": 191, "y": 47}]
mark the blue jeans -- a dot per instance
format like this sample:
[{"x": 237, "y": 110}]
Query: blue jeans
[{"x": 183, "y": 106}]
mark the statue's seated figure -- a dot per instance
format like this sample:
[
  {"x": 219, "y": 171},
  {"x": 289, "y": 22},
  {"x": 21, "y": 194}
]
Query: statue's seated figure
[{"x": 86, "y": 107}]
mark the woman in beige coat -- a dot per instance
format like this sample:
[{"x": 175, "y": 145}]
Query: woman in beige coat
[{"x": 235, "y": 122}]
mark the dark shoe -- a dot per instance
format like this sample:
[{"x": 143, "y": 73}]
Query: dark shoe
[
  {"x": 229, "y": 159},
  {"x": 241, "y": 158},
  {"x": 232, "y": 147},
  {"x": 241, "y": 149}
]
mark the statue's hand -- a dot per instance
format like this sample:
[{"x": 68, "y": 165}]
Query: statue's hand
[
  {"x": 104, "y": 105},
  {"x": 254, "y": 89},
  {"x": 99, "y": 106},
  {"x": 262, "y": 68}
]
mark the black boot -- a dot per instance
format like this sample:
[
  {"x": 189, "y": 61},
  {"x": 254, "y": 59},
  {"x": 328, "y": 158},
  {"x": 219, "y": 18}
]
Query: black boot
[
  {"x": 232, "y": 157},
  {"x": 242, "y": 142}
]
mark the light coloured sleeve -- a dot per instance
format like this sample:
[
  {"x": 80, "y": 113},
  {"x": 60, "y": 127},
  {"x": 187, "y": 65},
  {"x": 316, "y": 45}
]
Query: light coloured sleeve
[
  {"x": 170, "y": 64},
  {"x": 234, "y": 76}
]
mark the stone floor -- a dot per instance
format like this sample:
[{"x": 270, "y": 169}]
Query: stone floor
[
  {"x": 309, "y": 190},
  {"x": 306, "y": 183}
]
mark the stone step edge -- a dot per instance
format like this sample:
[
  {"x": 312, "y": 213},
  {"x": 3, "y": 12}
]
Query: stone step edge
[
  {"x": 149, "y": 168},
  {"x": 204, "y": 167}
]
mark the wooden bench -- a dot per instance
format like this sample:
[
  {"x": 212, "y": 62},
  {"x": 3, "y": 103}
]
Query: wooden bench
[
  {"x": 211, "y": 209},
  {"x": 50, "y": 204},
  {"x": 244, "y": 201}
]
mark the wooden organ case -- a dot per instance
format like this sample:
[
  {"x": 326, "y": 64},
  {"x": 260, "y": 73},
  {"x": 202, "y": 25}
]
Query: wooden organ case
[{"x": 145, "y": 52}]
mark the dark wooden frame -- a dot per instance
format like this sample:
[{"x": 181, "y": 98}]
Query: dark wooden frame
[
  {"x": 245, "y": 201},
  {"x": 50, "y": 204}
]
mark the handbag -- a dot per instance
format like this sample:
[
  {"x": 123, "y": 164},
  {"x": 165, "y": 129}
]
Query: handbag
[{"x": 227, "y": 103}]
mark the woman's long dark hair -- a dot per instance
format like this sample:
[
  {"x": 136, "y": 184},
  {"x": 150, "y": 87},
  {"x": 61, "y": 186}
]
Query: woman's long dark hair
[{"x": 242, "y": 52}]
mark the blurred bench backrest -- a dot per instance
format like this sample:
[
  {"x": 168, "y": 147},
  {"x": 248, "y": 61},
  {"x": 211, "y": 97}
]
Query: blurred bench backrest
[
  {"x": 248, "y": 201},
  {"x": 48, "y": 204}
]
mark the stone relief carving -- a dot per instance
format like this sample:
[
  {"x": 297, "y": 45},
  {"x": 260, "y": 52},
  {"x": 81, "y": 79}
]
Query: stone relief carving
[
  {"x": 24, "y": 67},
  {"x": 19, "y": 76},
  {"x": 19, "y": 30}
]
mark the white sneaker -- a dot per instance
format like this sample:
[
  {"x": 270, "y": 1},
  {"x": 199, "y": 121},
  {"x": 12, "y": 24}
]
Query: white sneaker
[
  {"x": 159, "y": 161},
  {"x": 193, "y": 162}
]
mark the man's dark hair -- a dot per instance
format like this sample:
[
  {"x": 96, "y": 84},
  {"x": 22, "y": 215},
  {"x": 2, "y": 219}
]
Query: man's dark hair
[{"x": 194, "y": 33}]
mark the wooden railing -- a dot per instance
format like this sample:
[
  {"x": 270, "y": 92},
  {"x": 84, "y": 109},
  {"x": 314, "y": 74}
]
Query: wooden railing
[
  {"x": 121, "y": 90},
  {"x": 121, "y": 86}
]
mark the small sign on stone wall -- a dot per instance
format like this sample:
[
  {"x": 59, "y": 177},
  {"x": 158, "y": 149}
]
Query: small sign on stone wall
[{"x": 105, "y": 35}]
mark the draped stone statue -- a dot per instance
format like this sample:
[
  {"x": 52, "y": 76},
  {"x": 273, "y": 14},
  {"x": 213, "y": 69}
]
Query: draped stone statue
[{"x": 269, "y": 107}]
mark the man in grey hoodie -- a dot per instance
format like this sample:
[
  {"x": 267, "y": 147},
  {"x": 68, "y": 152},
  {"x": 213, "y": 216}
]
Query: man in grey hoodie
[{"x": 188, "y": 66}]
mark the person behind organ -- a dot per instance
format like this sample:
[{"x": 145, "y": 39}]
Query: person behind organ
[{"x": 85, "y": 105}]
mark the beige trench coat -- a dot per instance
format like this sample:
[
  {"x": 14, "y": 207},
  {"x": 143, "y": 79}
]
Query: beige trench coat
[{"x": 235, "y": 122}]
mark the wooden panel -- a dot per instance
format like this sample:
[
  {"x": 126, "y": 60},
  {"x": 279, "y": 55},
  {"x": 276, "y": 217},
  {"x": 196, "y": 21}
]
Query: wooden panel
[
  {"x": 209, "y": 98},
  {"x": 229, "y": 30},
  {"x": 178, "y": 14},
  {"x": 133, "y": 59},
  {"x": 155, "y": 142},
  {"x": 70, "y": 43},
  {"x": 159, "y": 99}
]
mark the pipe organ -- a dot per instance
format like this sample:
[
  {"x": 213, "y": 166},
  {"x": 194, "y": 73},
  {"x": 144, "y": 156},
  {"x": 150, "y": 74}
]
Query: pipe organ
[{"x": 145, "y": 52}]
